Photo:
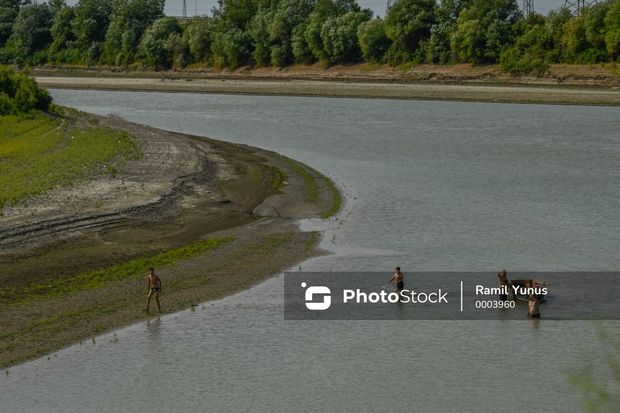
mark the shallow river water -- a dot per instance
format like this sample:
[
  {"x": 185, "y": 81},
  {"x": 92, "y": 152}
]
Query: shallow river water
[{"x": 429, "y": 186}]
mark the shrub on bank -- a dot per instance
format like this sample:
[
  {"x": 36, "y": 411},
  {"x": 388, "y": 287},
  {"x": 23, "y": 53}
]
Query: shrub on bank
[
  {"x": 516, "y": 63},
  {"x": 20, "y": 94}
]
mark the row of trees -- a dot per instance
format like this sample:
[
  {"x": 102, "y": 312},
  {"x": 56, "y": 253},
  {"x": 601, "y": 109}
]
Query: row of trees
[
  {"x": 284, "y": 32},
  {"x": 19, "y": 94}
]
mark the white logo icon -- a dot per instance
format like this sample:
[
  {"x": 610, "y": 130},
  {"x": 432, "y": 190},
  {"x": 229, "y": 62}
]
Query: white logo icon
[{"x": 317, "y": 290}]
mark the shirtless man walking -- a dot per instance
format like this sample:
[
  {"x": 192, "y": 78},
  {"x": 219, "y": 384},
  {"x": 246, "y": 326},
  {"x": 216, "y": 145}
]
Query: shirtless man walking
[
  {"x": 399, "y": 278},
  {"x": 153, "y": 287}
]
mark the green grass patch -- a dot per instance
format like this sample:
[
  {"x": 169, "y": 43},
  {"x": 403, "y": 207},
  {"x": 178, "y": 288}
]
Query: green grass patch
[
  {"x": 312, "y": 240},
  {"x": 130, "y": 270},
  {"x": 278, "y": 179},
  {"x": 336, "y": 199},
  {"x": 39, "y": 153},
  {"x": 311, "y": 186}
]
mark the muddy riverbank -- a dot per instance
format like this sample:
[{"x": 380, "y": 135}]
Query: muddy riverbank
[{"x": 63, "y": 253}]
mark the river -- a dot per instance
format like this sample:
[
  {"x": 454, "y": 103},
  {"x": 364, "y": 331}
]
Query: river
[{"x": 428, "y": 186}]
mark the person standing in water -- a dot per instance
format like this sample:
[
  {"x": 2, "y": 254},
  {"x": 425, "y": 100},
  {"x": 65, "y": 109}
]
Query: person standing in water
[
  {"x": 503, "y": 283},
  {"x": 153, "y": 287},
  {"x": 533, "y": 307},
  {"x": 399, "y": 278}
]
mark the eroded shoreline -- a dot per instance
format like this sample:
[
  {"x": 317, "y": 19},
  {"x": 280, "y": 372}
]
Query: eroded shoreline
[{"x": 204, "y": 190}]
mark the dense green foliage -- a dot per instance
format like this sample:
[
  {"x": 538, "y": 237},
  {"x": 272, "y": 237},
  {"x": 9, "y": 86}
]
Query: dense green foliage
[
  {"x": 483, "y": 29},
  {"x": 135, "y": 33},
  {"x": 8, "y": 13},
  {"x": 161, "y": 42},
  {"x": 408, "y": 25},
  {"x": 373, "y": 41},
  {"x": 127, "y": 26},
  {"x": 19, "y": 94}
]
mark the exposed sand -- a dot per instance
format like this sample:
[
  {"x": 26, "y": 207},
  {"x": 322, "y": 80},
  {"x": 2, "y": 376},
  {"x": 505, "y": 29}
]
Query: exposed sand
[
  {"x": 349, "y": 88},
  {"x": 183, "y": 189}
]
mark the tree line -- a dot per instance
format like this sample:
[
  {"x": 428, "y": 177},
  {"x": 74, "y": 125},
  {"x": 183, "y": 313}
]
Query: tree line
[{"x": 259, "y": 33}]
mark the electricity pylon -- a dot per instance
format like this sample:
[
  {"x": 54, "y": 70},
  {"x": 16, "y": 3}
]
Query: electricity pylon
[
  {"x": 389, "y": 5},
  {"x": 577, "y": 6},
  {"x": 528, "y": 7}
]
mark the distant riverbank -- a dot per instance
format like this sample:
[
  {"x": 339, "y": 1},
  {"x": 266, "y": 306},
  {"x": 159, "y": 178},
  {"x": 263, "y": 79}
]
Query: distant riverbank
[{"x": 565, "y": 85}]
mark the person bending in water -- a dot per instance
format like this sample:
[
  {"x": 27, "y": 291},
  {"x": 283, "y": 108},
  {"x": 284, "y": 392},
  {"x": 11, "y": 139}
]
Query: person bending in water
[
  {"x": 153, "y": 287},
  {"x": 533, "y": 307},
  {"x": 399, "y": 278}
]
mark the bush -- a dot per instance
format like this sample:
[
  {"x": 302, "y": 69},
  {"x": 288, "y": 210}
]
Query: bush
[
  {"x": 612, "y": 31},
  {"x": 93, "y": 53},
  {"x": 515, "y": 63},
  {"x": 199, "y": 36},
  {"x": 532, "y": 51},
  {"x": 20, "y": 94},
  {"x": 7, "y": 105},
  {"x": 301, "y": 49},
  {"x": 160, "y": 42},
  {"x": 339, "y": 35},
  {"x": 407, "y": 24},
  {"x": 591, "y": 56},
  {"x": 373, "y": 41},
  {"x": 231, "y": 49},
  {"x": 484, "y": 29},
  {"x": 312, "y": 36}
]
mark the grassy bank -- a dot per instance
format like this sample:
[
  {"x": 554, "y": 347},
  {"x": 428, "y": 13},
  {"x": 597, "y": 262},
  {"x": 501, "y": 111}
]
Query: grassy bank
[
  {"x": 41, "y": 152},
  {"x": 337, "y": 200},
  {"x": 134, "y": 269},
  {"x": 315, "y": 184}
]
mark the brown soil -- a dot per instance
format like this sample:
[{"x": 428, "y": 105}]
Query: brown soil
[
  {"x": 183, "y": 189},
  {"x": 601, "y": 75}
]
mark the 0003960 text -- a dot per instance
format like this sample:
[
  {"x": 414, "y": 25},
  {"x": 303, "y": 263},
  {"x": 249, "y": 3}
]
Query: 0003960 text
[{"x": 494, "y": 304}]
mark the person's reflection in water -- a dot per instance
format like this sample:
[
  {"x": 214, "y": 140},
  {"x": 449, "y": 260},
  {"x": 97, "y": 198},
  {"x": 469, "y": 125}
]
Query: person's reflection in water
[
  {"x": 153, "y": 344},
  {"x": 153, "y": 327}
]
